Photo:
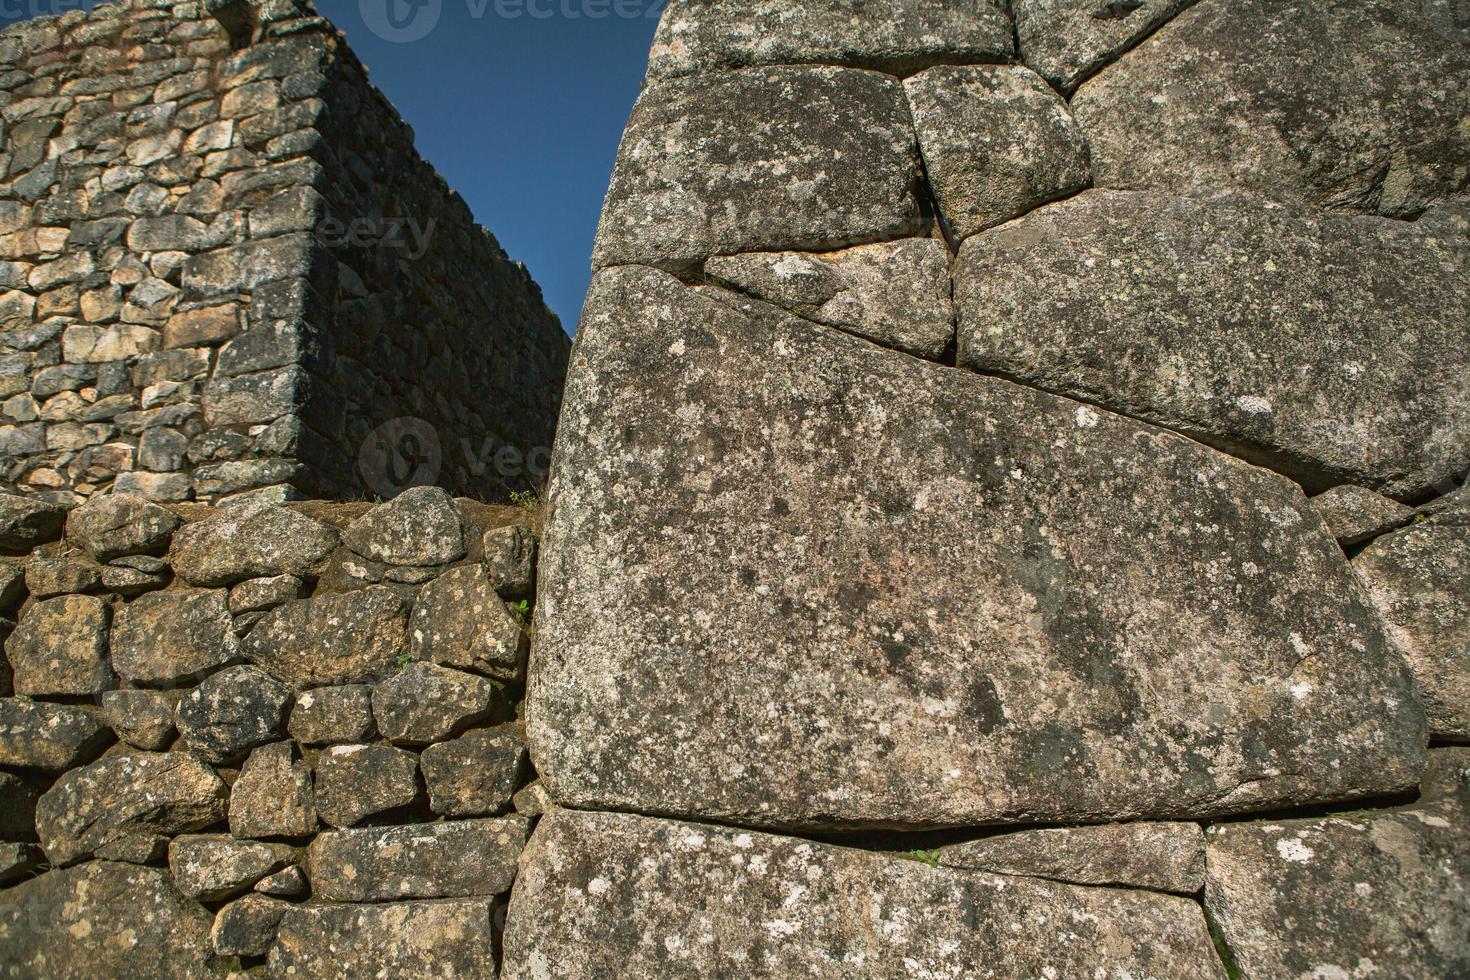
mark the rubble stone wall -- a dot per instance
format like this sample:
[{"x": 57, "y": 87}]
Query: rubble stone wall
[{"x": 225, "y": 266}]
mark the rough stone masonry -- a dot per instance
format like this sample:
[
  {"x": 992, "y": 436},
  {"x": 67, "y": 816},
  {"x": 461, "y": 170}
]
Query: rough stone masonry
[{"x": 224, "y": 268}]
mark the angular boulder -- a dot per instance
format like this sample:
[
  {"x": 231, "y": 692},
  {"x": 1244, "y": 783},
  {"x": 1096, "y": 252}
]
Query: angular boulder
[
  {"x": 894, "y": 293},
  {"x": 355, "y": 782},
  {"x": 1356, "y": 105},
  {"x": 143, "y": 719},
  {"x": 127, "y": 796},
  {"x": 1356, "y": 515},
  {"x": 331, "y": 639},
  {"x": 892, "y": 36},
  {"x": 1328, "y": 347},
  {"x": 247, "y": 926},
  {"x": 59, "y": 647},
  {"x": 451, "y": 859},
  {"x": 510, "y": 559},
  {"x": 606, "y": 894},
  {"x": 761, "y": 159},
  {"x": 476, "y": 774},
  {"x": 459, "y": 621},
  {"x": 450, "y": 940},
  {"x": 1365, "y": 894},
  {"x": 272, "y": 796},
  {"x": 858, "y": 589},
  {"x": 121, "y": 524},
  {"x": 420, "y": 526},
  {"x": 1167, "y": 857},
  {"x": 211, "y": 867},
  {"x": 53, "y": 737},
  {"x": 251, "y": 540},
  {"x": 1066, "y": 42},
  {"x": 1420, "y": 580},
  {"x": 103, "y": 919},
  {"x": 231, "y": 713},
  {"x": 26, "y": 522},
  {"x": 997, "y": 142},
  {"x": 333, "y": 715},
  {"x": 427, "y": 703},
  {"x": 167, "y": 638}
]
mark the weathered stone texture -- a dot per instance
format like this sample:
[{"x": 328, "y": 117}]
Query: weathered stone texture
[
  {"x": 165, "y": 638},
  {"x": 447, "y": 940},
  {"x": 1355, "y": 105},
  {"x": 1356, "y": 515},
  {"x": 53, "y": 737},
  {"x": 459, "y": 621},
  {"x": 331, "y": 639},
  {"x": 1167, "y": 857},
  {"x": 816, "y": 157},
  {"x": 272, "y": 795},
  {"x": 1148, "y": 628},
  {"x": 604, "y": 894},
  {"x": 59, "y": 647},
  {"x": 451, "y": 859},
  {"x": 1066, "y": 42},
  {"x": 1328, "y": 347}
]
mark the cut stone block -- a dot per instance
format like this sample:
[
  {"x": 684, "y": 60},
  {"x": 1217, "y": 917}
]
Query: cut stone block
[{"x": 857, "y": 589}]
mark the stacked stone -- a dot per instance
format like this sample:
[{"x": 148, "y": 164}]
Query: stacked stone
[
  {"x": 224, "y": 265},
  {"x": 279, "y": 735},
  {"x": 990, "y": 415}
]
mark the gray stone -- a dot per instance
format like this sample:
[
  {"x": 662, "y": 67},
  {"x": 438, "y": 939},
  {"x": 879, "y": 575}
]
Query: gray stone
[
  {"x": 167, "y": 638},
  {"x": 261, "y": 594},
  {"x": 26, "y": 522},
  {"x": 1365, "y": 894},
  {"x": 459, "y": 621},
  {"x": 453, "y": 859},
  {"x": 355, "y": 782},
  {"x": 49, "y": 577},
  {"x": 290, "y": 883},
  {"x": 532, "y": 800},
  {"x": 426, "y": 703},
  {"x": 1452, "y": 506},
  {"x": 331, "y": 639},
  {"x": 763, "y": 159},
  {"x": 476, "y": 774},
  {"x": 12, "y": 585},
  {"x": 247, "y": 926},
  {"x": 733, "y": 903},
  {"x": 1355, "y": 105},
  {"x": 1356, "y": 515},
  {"x": 997, "y": 142},
  {"x": 510, "y": 559},
  {"x": 333, "y": 715},
  {"x": 886, "y": 35},
  {"x": 250, "y": 541},
  {"x": 130, "y": 581},
  {"x": 1328, "y": 347},
  {"x": 1168, "y": 857},
  {"x": 421, "y": 526},
  {"x": 272, "y": 796},
  {"x": 129, "y": 795},
  {"x": 446, "y": 940},
  {"x": 211, "y": 867},
  {"x": 1420, "y": 580},
  {"x": 231, "y": 713},
  {"x": 894, "y": 293},
  {"x": 59, "y": 647},
  {"x": 1447, "y": 777},
  {"x": 17, "y": 808},
  {"x": 53, "y": 737},
  {"x": 104, "y": 920},
  {"x": 1067, "y": 42},
  {"x": 767, "y": 631},
  {"x": 143, "y": 719}
]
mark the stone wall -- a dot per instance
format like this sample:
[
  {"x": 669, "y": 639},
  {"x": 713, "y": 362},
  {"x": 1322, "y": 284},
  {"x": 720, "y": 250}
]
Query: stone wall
[
  {"x": 263, "y": 735},
  {"x": 226, "y": 268},
  {"x": 1028, "y": 436}
]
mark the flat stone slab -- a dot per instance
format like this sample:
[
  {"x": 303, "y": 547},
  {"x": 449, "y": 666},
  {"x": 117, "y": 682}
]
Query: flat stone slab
[
  {"x": 450, "y": 859},
  {"x": 445, "y": 940},
  {"x": 763, "y": 159},
  {"x": 1328, "y": 347},
  {"x": 1356, "y": 515},
  {"x": 1067, "y": 42},
  {"x": 790, "y": 579},
  {"x": 894, "y": 36},
  {"x": 1383, "y": 894},
  {"x": 1167, "y": 857},
  {"x": 1420, "y": 579},
  {"x": 607, "y": 894},
  {"x": 1356, "y": 105}
]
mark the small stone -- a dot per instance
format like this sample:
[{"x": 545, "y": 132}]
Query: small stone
[
  {"x": 53, "y": 737},
  {"x": 168, "y": 638},
  {"x": 1068, "y": 42},
  {"x": 49, "y": 577},
  {"x": 459, "y": 621},
  {"x": 421, "y": 526},
  {"x": 60, "y": 647},
  {"x": 288, "y": 883},
  {"x": 26, "y": 522},
  {"x": 1355, "y": 515},
  {"x": 232, "y": 712},
  {"x": 333, "y": 715},
  {"x": 247, "y": 926},
  {"x": 476, "y": 774},
  {"x": 427, "y": 703},
  {"x": 16, "y": 860},
  {"x": 510, "y": 560},
  {"x": 399, "y": 939},
  {"x": 17, "y": 807},
  {"x": 128, "y": 795},
  {"x": 202, "y": 327},
  {"x": 12, "y": 585},
  {"x": 533, "y": 799},
  {"x": 997, "y": 141},
  {"x": 262, "y": 594},
  {"x": 130, "y": 582},
  {"x": 355, "y": 782},
  {"x": 143, "y": 719},
  {"x": 331, "y": 639},
  {"x": 1168, "y": 857},
  {"x": 250, "y": 541},
  {"x": 453, "y": 859},
  {"x": 272, "y": 796},
  {"x": 211, "y": 867}
]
